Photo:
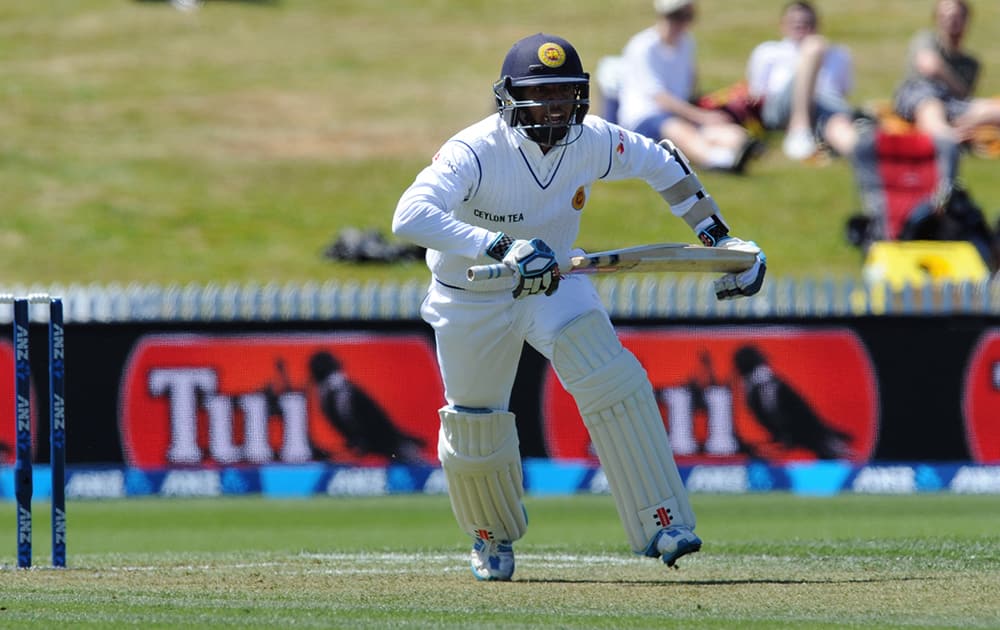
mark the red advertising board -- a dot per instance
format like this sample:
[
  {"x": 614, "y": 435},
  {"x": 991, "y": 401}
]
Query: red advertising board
[
  {"x": 8, "y": 430},
  {"x": 212, "y": 397},
  {"x": 198, "y": 399},
  {"x": 8, "y": 436},
  {"x": 981, "y": 400},
  {"x": 774, "y": 393}
]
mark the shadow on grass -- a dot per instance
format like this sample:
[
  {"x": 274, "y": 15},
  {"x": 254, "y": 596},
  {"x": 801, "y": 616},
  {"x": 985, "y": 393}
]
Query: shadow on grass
[
  {"x": 732, "y": 582},
  {"x": 195, "y": 3}
]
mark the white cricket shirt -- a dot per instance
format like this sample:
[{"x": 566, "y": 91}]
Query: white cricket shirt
[{"x": 489, "y": 178}]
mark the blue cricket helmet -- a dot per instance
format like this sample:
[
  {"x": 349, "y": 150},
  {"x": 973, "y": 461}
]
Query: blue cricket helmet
[{"x": 542, "y": 59}]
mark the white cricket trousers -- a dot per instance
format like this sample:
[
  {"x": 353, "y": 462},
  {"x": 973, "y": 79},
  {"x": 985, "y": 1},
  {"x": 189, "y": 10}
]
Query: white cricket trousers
[{"x": 480, "y": 335}]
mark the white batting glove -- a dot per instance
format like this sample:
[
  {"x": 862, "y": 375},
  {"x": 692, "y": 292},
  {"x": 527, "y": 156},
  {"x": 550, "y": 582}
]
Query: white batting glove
[
  {"x": 532, "y": 261},
  {"x": 536, "y": 267},
  {"x": 743, "y": 283}
]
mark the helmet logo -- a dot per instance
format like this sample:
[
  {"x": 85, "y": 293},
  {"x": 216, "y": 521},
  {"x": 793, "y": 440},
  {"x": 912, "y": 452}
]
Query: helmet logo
[{"x": 551, "y": 54}]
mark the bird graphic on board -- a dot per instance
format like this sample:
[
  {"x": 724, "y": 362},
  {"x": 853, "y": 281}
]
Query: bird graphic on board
[
  {"x": 364, "y": 424},
  {"x": 783, "y": 411}
]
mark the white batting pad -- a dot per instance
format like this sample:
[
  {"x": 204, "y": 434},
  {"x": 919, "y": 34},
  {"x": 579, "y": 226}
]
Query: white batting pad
[
  {"x": 616, "y": 401},
  {"x": 481, "y": 461}
]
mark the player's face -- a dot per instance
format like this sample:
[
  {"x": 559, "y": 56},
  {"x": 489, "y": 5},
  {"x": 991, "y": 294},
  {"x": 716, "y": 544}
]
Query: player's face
[
  {"x": 797, "y": 23},
  {"x": 559, "y": 99},
  {"x": 681, "y": 17},
  {"x": 951, "y": 17}
]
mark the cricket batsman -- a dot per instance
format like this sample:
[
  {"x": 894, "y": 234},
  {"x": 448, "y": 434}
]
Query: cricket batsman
[{"x": 512, "y": 188}]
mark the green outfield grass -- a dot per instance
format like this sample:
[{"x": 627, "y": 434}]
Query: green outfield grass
[
  {"x": 769, "y": 561},
  {"x": 231, "y": 144}
]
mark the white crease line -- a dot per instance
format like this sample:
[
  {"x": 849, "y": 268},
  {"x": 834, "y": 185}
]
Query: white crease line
[{"x": 375, "y": 563}]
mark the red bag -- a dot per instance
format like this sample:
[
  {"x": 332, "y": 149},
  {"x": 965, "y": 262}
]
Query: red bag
[{"x": 736, "y": 101}]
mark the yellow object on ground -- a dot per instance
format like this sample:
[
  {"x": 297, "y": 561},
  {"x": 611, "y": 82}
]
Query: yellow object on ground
[{"x": 914, "y": 263}]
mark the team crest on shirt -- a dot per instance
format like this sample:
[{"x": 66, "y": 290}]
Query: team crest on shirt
[
  {"x": 620, "y": 149},
  {"x": 551, "y": 54},
  {"x": 579, "y": 198}
]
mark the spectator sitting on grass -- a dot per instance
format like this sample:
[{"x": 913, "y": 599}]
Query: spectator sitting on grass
[
  {"x": 937, "y": 93},
  {"x": 802, "y": 81},
  {"x": 658, "y": 86}
]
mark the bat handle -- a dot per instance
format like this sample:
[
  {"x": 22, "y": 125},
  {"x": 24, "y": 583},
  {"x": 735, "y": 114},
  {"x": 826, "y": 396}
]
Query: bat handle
[{"x": 488, "y": 272}]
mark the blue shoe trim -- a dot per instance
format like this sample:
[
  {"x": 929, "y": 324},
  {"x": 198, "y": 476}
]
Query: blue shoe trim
[
  {"x": 494, "y": 561},
  {"x": 682, "y": 550},
  {"x": 651, "y": 551}
]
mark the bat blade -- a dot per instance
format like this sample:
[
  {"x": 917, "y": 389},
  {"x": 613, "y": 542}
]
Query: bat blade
[
  {"x": 664, "y": 257},
  {"x": 678, "y": 257}
]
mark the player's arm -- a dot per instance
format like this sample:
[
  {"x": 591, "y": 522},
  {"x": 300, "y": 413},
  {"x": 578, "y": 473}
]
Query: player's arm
[
  {"x": 689, "y": 200},
  {"x": 423, "y": 215},
  {"x": 665, "y": 168}
]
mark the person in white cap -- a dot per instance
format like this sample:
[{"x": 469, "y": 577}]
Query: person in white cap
[{"x": 658, "y": 85}]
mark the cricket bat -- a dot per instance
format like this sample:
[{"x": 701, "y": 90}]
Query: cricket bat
[{"x": 643, "y": 258}]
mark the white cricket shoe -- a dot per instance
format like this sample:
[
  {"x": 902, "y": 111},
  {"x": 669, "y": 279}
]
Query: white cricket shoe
[
  {"x": 492, "y": 561},
  {"x": 674, "y": 542},
  {"x": 799, "y": 144}
]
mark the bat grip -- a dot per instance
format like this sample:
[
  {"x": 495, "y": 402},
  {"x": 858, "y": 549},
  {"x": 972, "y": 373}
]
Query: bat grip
[{"x": 488, "y": 272}]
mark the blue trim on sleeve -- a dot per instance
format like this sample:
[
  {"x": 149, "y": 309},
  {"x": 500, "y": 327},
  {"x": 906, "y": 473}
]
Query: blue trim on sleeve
[{"x": 611, "y": 151}]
